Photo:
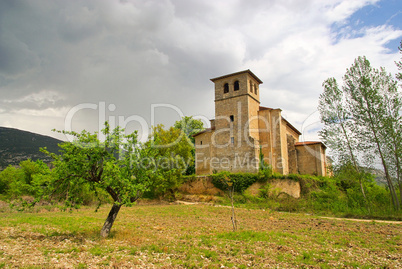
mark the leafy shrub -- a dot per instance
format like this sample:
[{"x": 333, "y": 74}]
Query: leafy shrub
[
  {"x": 220, "y": 180},
  {"x": 265, "y": 169},
  {"x": 240, "y": 181},
  {"x": 294, "y": 177},
  {"x": 339, "y": 196},
  {"x": 16, "y": 182},
  {"x": 265, "y": 191},
  {"x": 31, "y": 178}
]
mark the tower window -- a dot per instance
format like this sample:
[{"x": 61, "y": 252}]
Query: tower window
[
  {"x": 255, "y": 89},
  {"x": 236, "y": 85},
  {"x": 231, "y": 118},
  {"x": 232, "y": 140},
  {"x": 201, "y": 143},
  {"x": 251, "y": 86},
  {"x": 226, "y": 88}
]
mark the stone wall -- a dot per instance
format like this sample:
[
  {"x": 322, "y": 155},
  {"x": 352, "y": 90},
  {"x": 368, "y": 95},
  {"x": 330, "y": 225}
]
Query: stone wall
[
  {"x": 292, "y": 155},
  {"x": 202, "y": 185},
  {"x": 311, "y": 159},
  {"x": 277, "y": 187},
  {"x": 270, "y": 138},
  {"x": 242, "y": 128},
  {"x": 204, "y": 153},
  {"x": 235, "y": 140}
]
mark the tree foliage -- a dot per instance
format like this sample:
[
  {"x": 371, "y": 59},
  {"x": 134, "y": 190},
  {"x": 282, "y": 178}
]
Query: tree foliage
[
  {"x": 362, "y": 121},
  {"x": 337, "y": 132},
  {"x": 26, "y": 179},
  {"x": 120, "y": 166},
  {"x": 173, "y": 154},
  {"x": 190, "y": 126},
  {"x": 399, "y": 64}
]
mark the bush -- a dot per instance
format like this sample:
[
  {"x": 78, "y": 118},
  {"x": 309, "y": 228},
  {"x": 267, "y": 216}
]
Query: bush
[
  {"x": 240, "y": 181},
  {"x": 339, "y": 196},
  {"x": 13, "y": 183},
  {"x": 31, "y": 178}
]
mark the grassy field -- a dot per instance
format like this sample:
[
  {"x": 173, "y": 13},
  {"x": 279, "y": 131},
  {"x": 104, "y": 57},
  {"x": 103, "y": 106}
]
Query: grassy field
[{"x": 194, "y": 236}]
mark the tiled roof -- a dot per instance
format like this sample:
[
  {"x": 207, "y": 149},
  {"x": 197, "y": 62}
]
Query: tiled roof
[
  {"x": 238, "y": 73},
  {"x": 265, "y": 108},
  {"x": 292, "y": 127},
  {"x": 288, "y": 123},
  {"x": 204, "y": 131},
  {"x": 309, "y": 143}
]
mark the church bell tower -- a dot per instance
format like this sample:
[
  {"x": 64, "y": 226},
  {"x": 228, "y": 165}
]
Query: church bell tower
[{"x": 237, "y": 101}]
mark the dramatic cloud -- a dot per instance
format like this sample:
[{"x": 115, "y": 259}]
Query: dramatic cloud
[{"x": 121, "y": 58}]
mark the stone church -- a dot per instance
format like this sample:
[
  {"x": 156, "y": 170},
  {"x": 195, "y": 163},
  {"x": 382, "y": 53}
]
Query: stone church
[{"x": 243, "y": 132}]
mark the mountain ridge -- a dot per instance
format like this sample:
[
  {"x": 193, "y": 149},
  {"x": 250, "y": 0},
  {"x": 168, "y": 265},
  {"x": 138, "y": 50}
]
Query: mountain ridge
[{"x": 18, "y": 145}]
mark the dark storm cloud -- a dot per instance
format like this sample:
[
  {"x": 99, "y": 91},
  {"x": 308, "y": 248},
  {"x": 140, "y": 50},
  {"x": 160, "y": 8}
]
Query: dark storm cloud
[{"x": 55, "y": 55}]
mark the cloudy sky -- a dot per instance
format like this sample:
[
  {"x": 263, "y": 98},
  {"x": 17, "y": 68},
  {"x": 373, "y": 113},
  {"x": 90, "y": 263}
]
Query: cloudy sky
[{"x": 73, "y": 64}]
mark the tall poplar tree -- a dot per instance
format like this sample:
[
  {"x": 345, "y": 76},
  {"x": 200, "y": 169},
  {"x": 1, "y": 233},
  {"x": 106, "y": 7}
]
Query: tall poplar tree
[
  {"x": 368, "y": 92},
  {"x": 337, "y": 132},
  {"x": 363, "y": 122}
]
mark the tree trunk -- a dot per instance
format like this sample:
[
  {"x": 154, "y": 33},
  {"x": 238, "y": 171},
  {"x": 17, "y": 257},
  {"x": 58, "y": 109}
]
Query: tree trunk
[
  {"x": 374, "y": 130},
  {"x": 110, "y": 220},
  {"x": 400, "y": 192},
  {"x": 394, "y": 196},
  {"x": 398, "y": 171},
  {"x": 234, "y": 221},
  {"x": 356, "y": 166}
]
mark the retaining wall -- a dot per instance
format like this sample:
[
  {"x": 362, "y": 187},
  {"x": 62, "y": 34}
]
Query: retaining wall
[{"x": 202, "y": 185}]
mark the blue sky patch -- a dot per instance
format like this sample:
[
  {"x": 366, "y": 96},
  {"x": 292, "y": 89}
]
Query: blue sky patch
[{"x": 386, "y": 12}]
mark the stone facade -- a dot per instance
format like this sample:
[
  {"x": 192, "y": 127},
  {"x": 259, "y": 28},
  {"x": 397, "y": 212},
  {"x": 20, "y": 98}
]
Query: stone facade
[{"x": 242, "y": 130}]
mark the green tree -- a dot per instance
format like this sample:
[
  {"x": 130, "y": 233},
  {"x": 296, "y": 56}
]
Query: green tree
[
  {"x": 394, "y": 123},
  {"x": 190, "y": 126},
  {"x": 362, "y": 121},
  {"x": 31, "y": 168},
  {"x": 119, "y": 165},
  {"x": 173, "y": 154},
  {"x": 337, "y": 132},
  {"x": 399, "y": 64},
  {"x": 22, "y": 180},
  {"x": 391, "y": 134},
  {"x": 368, "y": 92},
  {"x": 12, "y": 183}
]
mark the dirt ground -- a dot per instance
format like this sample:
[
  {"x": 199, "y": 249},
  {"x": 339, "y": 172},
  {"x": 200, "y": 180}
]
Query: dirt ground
[{"x": 195, "y": 236}]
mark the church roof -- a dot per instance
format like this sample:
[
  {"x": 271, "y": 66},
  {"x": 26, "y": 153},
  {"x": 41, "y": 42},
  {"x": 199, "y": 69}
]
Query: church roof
[
  {"x": 287, "y": 123},
  {"x": 203, "y": 131},
  {"x": 291, "y": 126},
  {"x": 265, "y": 108},
  {"x": 238, "y": 73},
  {"x": 306, "y": 143}
]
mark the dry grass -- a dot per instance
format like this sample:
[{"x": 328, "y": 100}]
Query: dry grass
[{"x": 194, "y": 236}]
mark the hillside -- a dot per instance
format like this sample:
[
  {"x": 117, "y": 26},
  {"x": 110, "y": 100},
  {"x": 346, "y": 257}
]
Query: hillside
[{"x": 17, "y": 145}]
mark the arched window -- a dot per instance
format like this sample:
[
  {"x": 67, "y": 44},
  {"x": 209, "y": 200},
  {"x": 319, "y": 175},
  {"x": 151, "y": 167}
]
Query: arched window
[
  {"x": 255, "y": 89},
  {"x": 226, "y": 88},
  {"x": 236, "y": 85},
  {"x": 251, "y": 86}
]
